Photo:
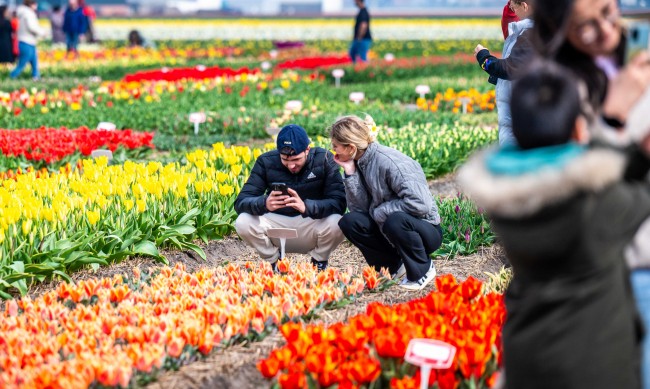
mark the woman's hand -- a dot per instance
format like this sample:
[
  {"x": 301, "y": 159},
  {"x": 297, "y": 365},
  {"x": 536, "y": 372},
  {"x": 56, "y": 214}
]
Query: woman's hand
[
  {"x": 626, "y": 89},
  {"x": 478, "y": 48},
  {"x": 348, "y": 166}
]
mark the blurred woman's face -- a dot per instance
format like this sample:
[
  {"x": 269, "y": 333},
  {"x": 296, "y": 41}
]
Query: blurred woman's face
[
  {"x": 595, "y": 27},
  {"x": 343, "y": 153}
]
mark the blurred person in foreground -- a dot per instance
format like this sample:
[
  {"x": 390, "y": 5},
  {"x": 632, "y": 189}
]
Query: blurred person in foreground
[
  {"x": 517, "y": 52},
  {"x": 6, "y": 32},
  {"x": 313, "y": 205},
  {"x": 589, "y": 37},
  {"x": 565, "y": 214},
  {"x": 362, "y": 39},
  {"x": 29, "y": 32},
  {"x": 393, "y": 217}
]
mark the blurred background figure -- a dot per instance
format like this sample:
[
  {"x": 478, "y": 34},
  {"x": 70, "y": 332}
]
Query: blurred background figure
[
  {"x": 362, "y": 38},
  {"x": 29, "y": 32},
  {"x": 75, "y": 23},
  {"x": 517, "y": 51},
  {"x": 91, "y": 15},
  {"x": 6, "y": 43},
  {"x": 507, "y": 17},
  {"x": 56, "y": 21},
  {"x": 135, "y": 39},
  {"x": 14, "y": 34}
]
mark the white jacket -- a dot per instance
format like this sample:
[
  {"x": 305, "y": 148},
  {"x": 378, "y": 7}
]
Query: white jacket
[{"x": 28, "y": 28}]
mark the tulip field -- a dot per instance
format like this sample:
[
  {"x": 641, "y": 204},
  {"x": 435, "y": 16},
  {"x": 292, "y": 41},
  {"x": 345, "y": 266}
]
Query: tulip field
[{"x": 78, "y": 310}]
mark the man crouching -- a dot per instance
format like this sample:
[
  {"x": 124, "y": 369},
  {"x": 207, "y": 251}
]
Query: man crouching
[{"x": 312, "y": 203}]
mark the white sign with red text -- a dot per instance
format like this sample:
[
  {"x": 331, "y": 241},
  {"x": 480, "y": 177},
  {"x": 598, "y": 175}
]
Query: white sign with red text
[{"x": 429, "y": 354}]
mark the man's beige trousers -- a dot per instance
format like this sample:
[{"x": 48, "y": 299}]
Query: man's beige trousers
[{"x": 316, "y": 237}]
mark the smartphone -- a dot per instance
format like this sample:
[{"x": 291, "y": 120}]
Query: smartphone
[
  {"x": 638, "y": 121},
  {"x": 638, "y": 39},
  {"x": 280, "y": 187}
]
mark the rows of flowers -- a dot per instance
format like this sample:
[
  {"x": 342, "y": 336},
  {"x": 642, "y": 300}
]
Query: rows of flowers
[
  {"x": 458, "y": 101},
  {"x": 368, "y": 350},
  {"x": 53, "y": 144},
  {"x": 103, "y": 55},
  {"x": 58, "y": 223},
  {"x": 122, "y": 330},
  {"x": 195, "y": 73},
  {"x": 314, "y": 62}
]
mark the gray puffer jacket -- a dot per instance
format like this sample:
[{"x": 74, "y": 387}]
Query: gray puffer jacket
[{"x": 388, "y": 181}]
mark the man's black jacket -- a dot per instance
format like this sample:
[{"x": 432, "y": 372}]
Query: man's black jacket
[{"x": 319, "y": 184}]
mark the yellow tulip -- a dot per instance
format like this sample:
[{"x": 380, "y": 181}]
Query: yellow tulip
[
  {"x": 93, "y": 217},
  {"x": 142, "y": 205},
  {"x": 27, "y": 226},
  {"x": 226, "y": 190}
]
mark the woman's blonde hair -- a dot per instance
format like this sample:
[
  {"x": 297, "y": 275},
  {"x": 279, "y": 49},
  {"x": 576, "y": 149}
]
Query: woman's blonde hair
[{"x": 352, "y": 130}]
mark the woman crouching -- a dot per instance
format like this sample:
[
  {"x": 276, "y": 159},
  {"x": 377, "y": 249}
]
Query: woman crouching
[{"x": 393, "y": 217}]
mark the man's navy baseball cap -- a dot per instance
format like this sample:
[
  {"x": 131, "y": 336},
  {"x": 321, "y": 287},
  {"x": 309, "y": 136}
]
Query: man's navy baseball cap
[{"x": 292, "y": 140}]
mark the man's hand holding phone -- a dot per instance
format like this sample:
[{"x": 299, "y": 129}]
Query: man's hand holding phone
[
  {"x": 278, "y": 196},
  {"x": 282, "y": 196},
  {"x": 294, "y": 201}
]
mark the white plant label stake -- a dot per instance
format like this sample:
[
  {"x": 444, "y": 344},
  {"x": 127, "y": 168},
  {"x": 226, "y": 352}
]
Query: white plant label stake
[
  {"x": 429, "y": 354},
  {"x": 465, "y": 101},
  {"x": 197, "y": 118},
  {"x": 101, "y": 153},
  {"x": 338, "y": 74},
  {"x": 422, "y": 90},
  {"x": 357, "y": 97},
  {"x": 106, "y": 126}
]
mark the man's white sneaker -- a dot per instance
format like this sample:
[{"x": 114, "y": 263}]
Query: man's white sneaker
[
  {"x": 422, "y": 282},
  {"x": 399, "y": 274}
]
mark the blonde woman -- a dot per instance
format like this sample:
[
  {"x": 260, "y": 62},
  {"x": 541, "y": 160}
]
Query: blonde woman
[{"x": 393, "y": 217}]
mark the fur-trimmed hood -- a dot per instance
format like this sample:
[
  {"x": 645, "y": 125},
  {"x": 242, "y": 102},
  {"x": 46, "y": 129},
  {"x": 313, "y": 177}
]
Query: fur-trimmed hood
[{"x": 524, "y": 194}]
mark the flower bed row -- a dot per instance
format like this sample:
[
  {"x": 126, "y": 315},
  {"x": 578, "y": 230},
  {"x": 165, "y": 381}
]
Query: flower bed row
[
  {"x": 314, "y": 62},
  {"x": 195, "y": 73},
  {"x": 368, "y": 350},
  {"x": 56, "y": 224},
  {"x": 467, "y": 100},
  {"x": 123, "y": 330},
  {"x": 106, "y": 55},
  {"x": 53, "y": 144}
]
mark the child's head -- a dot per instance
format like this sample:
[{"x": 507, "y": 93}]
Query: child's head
[
  {"x": 545, "y": 107},
  {"x": 350, "y": 134},
  {"x": 522, "y": 8}
]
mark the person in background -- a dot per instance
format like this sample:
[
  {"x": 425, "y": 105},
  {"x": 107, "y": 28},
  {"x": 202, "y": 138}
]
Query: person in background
[
  {"x": 393, "y": 217},
  {"x": 29, "y": 32},
  {"x": 14, "y": 35},
  {"x": 508, "y": 16},
  {"x": 75, "y": 23},
  {"x": 565, "y": 214},
  {"x": 56, "y": 21},
  {"x": 6, "y": 44},
  {"x": 518, "y": 49},
  {"x": 362, "y": 39},
  {"x": 91, "y": 15},
  {"x": 313, "y": 205},
  {"x": 137, "y": 40}
]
